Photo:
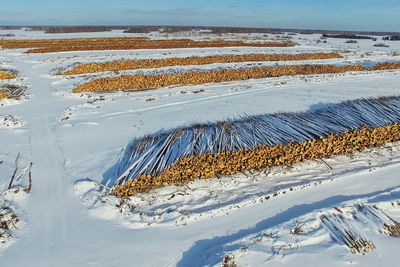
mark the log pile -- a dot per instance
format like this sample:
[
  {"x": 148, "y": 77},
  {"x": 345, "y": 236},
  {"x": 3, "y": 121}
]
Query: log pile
[
  {"x": 386, "y": 66},
  {"x": 227, "y": 163},
  {"x": 393, "y": 229},
  {"x": 72, "y": 42},
  {"x": 342, "y": 230},
  {"x": 157, "y": 63},
  {"x": 387, "y": 224},
  {"x": 6, "y": 76},
  {"x": 135, "y": 82},
  {"x": 3, "y": 94},
  {"x": 216, "y": 142},
  {"x": 125, "y": 43}
]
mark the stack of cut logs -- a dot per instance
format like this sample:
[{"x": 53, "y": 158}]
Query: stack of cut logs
[
  {"x": 157, "y": 63},
  {"x": 125, "y": 43},
  {"x": 3, "y": 95},
  {"x": 227, "y": 163},
  {"x": 138, "y": 82},
  {"x": 6, "y": 76}
]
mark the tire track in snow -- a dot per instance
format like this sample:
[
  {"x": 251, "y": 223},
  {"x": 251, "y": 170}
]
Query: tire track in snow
[{"x": 46, "y": 205}]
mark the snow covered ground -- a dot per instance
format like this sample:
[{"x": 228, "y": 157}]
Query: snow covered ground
[{"x": 73, "y": 141}]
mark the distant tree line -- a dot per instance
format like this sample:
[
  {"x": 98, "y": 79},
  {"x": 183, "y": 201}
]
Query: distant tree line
[
  {"x": 209, "y": 29},
  {"x": 346, "y": 36},
  {"x": 74, "y": 29}
]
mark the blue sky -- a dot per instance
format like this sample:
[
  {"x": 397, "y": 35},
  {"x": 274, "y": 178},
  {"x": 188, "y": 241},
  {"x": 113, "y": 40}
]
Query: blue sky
[{"x": 373, "y": 15}]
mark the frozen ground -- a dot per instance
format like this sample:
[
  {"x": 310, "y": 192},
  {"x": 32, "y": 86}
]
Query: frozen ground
[{"x": 74, "y": 141}]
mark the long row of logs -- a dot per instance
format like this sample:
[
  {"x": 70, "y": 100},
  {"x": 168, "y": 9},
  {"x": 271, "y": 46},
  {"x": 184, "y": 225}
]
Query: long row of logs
[
  {"x": 386, "y": 66},
  {"x": 38, "y": 43},
  {"x": 157, "y": 63},
  {"x": 227, "y": 163},
  {"x": 135, "y": 82},
  {"x": 126, "y": 43}
]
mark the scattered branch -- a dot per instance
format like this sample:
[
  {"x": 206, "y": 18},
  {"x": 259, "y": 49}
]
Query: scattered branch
[
  {"x": 15, "y": 171},
  {"x": 326, "y": 163},
  {"x": 28, "y": 189},
  {"x": 229, "y": 261},
  {"x": 299, "y": 229}
]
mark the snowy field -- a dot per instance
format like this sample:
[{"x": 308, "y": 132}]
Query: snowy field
[{"x": 57, "y": 210}]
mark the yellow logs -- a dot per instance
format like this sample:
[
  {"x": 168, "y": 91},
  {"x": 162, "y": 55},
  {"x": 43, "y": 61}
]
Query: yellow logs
[
  {"x": 132, "y": 82},
  {"x": 227, "y": 163},
  {"x": 157, "y": 63}
]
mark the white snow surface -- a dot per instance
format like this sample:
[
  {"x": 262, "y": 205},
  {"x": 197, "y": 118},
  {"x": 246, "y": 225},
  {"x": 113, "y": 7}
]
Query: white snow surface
[{"x": 73, "y": 140}]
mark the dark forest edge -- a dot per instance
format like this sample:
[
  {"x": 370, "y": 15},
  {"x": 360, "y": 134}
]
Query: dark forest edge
[{"x": 207, "y": 29}]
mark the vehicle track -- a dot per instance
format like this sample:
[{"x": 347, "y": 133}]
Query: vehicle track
[{"x": 46, "y": 208}]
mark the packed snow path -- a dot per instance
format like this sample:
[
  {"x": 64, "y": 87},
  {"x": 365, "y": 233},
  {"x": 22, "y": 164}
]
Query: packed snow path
[{"x": 60, "y": 232}]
